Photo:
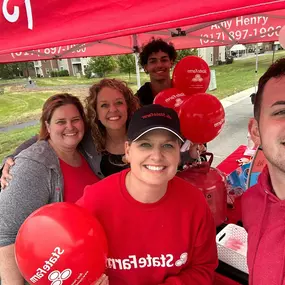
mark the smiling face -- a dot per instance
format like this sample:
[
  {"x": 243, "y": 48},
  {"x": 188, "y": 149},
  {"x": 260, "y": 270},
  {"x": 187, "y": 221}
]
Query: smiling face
[
  {"x": 112, "y": 109},
  {"x": 158, "y": 66},
  {"x": 66, "y": 127},
  {"x": 154, "y": 157},
  {"x": 269, "y": 131}
]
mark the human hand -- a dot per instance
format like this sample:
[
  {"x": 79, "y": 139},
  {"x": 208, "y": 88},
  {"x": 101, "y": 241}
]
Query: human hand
[
  {"x": 196, "y": 149},
  {"x": 103, "y": 280},
  {"x": 5, "y": 172}
]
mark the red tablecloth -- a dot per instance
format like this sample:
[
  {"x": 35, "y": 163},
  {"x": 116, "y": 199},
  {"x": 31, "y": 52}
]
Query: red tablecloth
[
  {"x": 230, "y": 163},
  {"x": 234, "y": 215}
]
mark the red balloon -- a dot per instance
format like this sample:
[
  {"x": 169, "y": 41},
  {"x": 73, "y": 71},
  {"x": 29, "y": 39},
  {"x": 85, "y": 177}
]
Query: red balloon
[
  {"x": 191, "y": 75},
  {"x": 202, "y": 117},
  {"x": 171, "y": 98},
  {"x": 61, "y": 242}
]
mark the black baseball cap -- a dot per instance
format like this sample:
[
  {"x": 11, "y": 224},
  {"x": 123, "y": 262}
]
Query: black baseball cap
[{"x": 153, "y": 117}]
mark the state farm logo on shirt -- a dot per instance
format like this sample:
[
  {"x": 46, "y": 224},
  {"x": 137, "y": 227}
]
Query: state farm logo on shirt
[{"x": 132, "y": 261}]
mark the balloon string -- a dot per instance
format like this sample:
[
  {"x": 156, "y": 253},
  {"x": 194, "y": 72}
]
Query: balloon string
[{"x": 199, "y": 157}]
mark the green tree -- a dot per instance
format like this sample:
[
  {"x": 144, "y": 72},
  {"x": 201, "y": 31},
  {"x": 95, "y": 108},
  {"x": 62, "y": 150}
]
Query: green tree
[
  {"x": 127, "y": 64},
  {"x": 6, "y": 71},
  {"x": 185, "y": 52},
  {"x": 24, "y": 67},
  {"x": 9, "y": 71},
  {"x": 101, "y": 65}
]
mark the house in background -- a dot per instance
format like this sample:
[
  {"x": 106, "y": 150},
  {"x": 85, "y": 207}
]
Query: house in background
[
  {"x": 212, "y": 55},
  {"x": 72, "y": 65}
]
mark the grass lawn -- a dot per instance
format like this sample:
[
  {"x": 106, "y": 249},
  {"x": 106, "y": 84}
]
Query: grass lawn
[
  {"x": 71, "y": 80},
  {"x": 17, "y": 107},
  {"x": 10, "y": 140},
  {"x": 240, "y": 75}
]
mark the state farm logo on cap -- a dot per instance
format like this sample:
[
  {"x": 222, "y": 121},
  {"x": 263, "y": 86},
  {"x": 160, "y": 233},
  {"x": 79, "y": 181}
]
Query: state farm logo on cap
[{"x": 151, "y": 115}]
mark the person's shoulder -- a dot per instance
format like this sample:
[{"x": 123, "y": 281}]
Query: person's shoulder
[
  {"x": 101, "y": 195},
  {"x": 188, "y": 198},
  {"x": 144, "y": 89},
  {"x": 252, "y": 205},
  {"x": 40, "y": 152},
  {"x": 106, "y": 186},
  {"x": 185, "y": 189},
  {"x": 145, "y": 94},
  {"x": 36, "y": 149},
  {"x": 29, "y": 169},
  {"x": 254, "y": 194}
]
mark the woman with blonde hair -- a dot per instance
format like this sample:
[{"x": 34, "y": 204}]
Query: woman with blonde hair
[{"x": 110, "y": 106}]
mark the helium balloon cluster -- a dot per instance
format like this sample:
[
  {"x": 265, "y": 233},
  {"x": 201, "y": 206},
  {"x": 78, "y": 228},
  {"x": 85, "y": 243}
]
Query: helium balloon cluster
[
  {"x": 201, "y": 115},
  {"x": 61, "y": 243}
]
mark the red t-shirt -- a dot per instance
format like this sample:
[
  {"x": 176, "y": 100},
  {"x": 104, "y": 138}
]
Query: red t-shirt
[
  {"x": 76, "y": 179},
  {"x": 171, "y": 241}
]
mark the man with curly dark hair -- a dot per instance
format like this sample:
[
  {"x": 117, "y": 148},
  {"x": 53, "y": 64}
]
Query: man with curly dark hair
[{"x": 157, "y": 58}]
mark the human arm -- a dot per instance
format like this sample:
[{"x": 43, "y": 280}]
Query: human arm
[
  {"x": 10, "y": 275},
  {"x": 9, "y": 161},
  {"x": 203, "y": 258},
  {"x": 28, "y": 191},
  {"x": 103, "y": 280}
]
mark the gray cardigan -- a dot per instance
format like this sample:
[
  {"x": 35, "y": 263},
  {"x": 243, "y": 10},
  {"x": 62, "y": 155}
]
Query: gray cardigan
[{"x": 37, "y": 181}]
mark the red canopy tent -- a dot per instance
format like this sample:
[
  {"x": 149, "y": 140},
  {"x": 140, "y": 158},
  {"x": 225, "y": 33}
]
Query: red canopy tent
[
  {"x": 63, "y": 29},
  {"x": 254, "y": 28}
]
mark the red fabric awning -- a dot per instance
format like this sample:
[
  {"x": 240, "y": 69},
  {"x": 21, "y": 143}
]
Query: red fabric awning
[
  {"x": 32, "y": 25},
  {"x": 262, "y": 27}
]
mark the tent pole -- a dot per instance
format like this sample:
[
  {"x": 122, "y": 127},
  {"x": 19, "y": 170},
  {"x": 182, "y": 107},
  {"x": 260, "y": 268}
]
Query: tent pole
[
  {"x": 136, "y": 55},
  {"x": 256, "y": 67},
  {"x": 137, "y": 70}
]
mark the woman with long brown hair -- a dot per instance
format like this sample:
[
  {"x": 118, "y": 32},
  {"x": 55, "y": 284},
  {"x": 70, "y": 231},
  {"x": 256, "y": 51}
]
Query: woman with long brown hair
[{"x": 109, "y": 107}]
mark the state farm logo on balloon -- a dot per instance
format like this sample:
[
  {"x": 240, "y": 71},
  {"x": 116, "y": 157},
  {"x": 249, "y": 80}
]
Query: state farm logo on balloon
[
  {"x": 48, "y": 264},
  {"x": 197, "y": 78},
  {"x": 48, "y": 243},
  {"x": 191, "y": 75},
  {"x": 170, "y": 98},
  {"x": 57, "y": 277}
]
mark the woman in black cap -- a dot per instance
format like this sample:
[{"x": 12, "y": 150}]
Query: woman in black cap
[{"x": 159, "y": 227}]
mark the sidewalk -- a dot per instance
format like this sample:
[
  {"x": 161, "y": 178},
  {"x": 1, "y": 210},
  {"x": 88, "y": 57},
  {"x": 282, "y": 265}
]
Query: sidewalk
[{"x": 235, "y": 98}]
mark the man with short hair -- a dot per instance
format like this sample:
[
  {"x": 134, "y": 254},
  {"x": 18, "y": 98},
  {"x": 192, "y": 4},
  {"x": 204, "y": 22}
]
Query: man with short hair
[
  {"x": 263, "y": 205},
  {"x": 157, "y": 58}
]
